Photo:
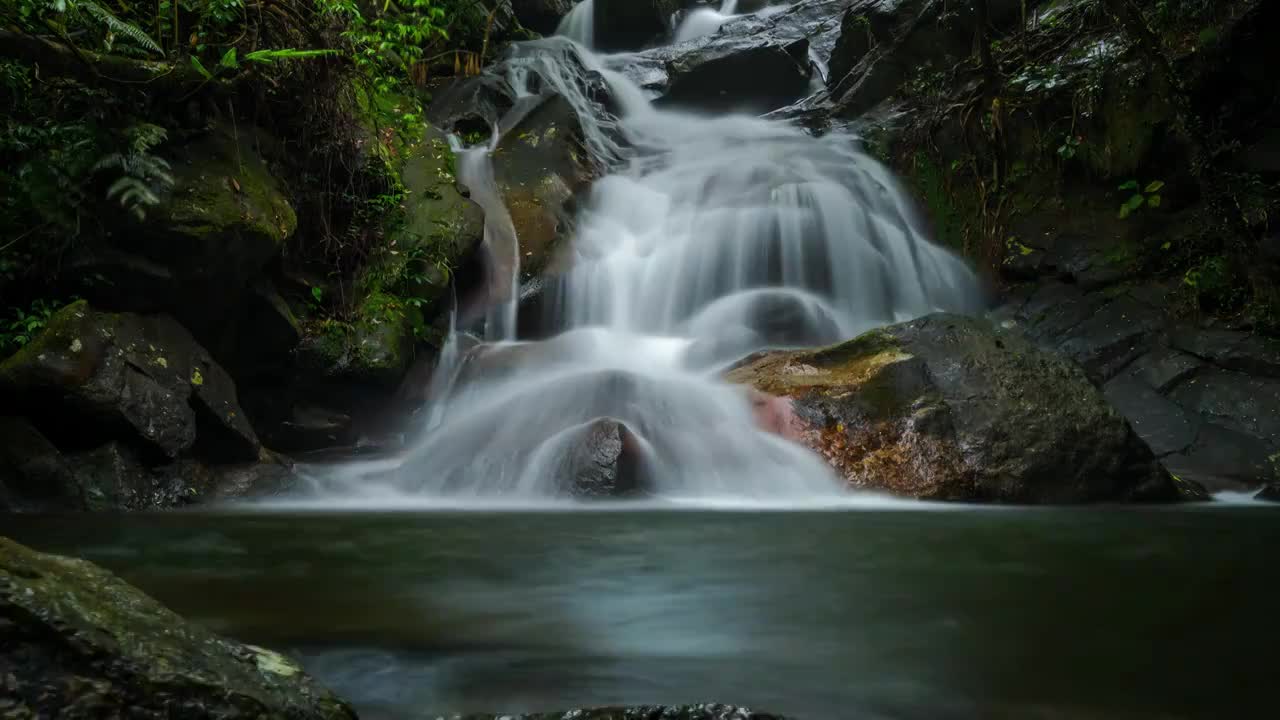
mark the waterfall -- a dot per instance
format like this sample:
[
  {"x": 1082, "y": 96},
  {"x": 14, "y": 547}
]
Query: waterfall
[
  {"x": 704, "y": 21},
  {"x": 580, "y": 24},
  {"x": 709, "y": 238}
]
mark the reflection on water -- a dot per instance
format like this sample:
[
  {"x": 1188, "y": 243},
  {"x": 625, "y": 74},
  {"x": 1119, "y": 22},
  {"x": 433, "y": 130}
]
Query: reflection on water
[{"x": 851, "y": 614}]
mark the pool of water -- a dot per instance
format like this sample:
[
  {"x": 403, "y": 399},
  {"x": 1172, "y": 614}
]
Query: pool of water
[{"x": 839, "y": 614}]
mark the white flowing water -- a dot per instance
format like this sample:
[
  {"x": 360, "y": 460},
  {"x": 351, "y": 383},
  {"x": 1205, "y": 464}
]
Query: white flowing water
[
  {"x": 704, "y": 21},
  {"x": 709, "y": 238},
  {"x": 580, "y": 23}
]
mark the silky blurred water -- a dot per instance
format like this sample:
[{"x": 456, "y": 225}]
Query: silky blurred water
[{"x": 904, "y": 614}]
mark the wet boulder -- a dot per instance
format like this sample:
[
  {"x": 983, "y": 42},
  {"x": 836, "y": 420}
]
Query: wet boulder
[
  {"x": 94, "y": 377},
  {"x": 602, "y": 461},
  {"x": 81, "y": 643},
  {"x": 753, "y": 63},
  {"x": 949, "y": 408},
  {"x": 747, "y": 76},
  {"x": 1270, "y": 493},
  {"x": 647, "y": 712},
  {"x": 541, "y": 166}
]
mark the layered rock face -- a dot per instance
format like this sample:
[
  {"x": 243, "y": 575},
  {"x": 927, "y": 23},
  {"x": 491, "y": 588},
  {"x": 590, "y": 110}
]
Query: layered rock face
[{"x": 949, "y": 408}]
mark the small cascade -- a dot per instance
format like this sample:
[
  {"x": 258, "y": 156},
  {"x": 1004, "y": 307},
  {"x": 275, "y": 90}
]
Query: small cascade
[
  {"x": 707, "y": 238},
  {"x": 580, "y": 24},
  {"x": 704, "y": 21}
]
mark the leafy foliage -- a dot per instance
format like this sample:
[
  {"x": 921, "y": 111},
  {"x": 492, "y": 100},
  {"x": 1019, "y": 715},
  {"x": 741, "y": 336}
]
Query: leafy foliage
[
  {"x": 143, "y": 176},
  {"x": 23, "y": 324},
  {"x": 1148, "y": 196}
]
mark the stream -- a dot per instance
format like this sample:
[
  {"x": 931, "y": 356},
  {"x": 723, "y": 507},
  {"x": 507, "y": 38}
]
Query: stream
[{"x": 885, "y": 610}]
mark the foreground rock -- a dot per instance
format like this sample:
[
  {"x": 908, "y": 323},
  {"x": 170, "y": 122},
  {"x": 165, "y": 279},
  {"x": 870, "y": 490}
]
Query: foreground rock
[
  {"x": 947, "y": 408},
  {"x": 652, "y": 712},
  {"x": 81, "y": 643}
]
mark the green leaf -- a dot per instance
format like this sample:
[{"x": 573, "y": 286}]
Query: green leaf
[
  {"x": 1135, "y": 202},
  {"x": 199, "y": 66},
  {"x": 1154, "y": 201},
  {"x": 1155, "y": 186},
  {"x": 229, "y": 60},
  {"x": 318, "y": 294},
  {"x": 1166, "y": 246},
  {"x": 1131, "y": 185}
]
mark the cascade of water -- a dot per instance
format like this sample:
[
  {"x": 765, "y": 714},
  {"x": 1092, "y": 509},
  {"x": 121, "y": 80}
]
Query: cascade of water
[
  {"x": 704, "y": 21},
  {"x": 710, "y": 238},
  {"x": 580, "y": 23}
]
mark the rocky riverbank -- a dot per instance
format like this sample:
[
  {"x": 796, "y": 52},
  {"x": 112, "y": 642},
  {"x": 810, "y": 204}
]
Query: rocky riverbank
[{"x": 1118, "y": 198}]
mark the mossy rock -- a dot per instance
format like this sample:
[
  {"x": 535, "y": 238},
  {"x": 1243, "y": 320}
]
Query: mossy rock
[
  {"x": 81, "y": 643},
  {"x": 950, "y": 408},
  {"x": 226, "y": 216},
  {"x": 375, "y": 348},
  {"x": 440, "y": 227},
  {"x": 93, "y": 376}
]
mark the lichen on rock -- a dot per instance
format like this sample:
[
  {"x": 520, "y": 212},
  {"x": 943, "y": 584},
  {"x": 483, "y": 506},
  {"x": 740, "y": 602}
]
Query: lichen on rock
[
  {"x": 949, "y": 408},
  {"x": 81, "y": 643}
]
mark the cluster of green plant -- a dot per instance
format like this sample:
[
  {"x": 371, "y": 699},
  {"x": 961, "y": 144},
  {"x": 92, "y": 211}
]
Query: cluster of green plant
[
  {"x": 23, "y": 324},
  {"x": 1140, "y": 196}
]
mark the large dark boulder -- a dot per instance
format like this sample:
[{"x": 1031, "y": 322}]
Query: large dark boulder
[
  {"x": 753, "y": 63},
  {"x": 81, "y": 643},
  {"x": 949, "y": 408},
  {"x": 91, "y": 377},
  {"x": 650, "y": 712}
]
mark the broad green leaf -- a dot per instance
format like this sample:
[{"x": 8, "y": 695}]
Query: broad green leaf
[
  {"x": 229, "y": 60},
  {"x": 1155, "y": 186},
  {"x": 1154, "y": 201},
  {"x": 1131, "y": 185},
  {"x": 199, "y": 66}
]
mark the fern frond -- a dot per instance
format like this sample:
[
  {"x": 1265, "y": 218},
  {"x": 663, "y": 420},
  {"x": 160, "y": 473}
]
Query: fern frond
[
  {"x": 144, "y": 136},
  {"x": 121, "y": 27},
  {"x": 110, "y": 160}
]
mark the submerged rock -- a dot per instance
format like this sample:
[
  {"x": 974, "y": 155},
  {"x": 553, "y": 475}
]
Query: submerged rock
[
  {"x": 92, "y": 377},
  {"x": 81, "y": 643},
  {"x": 948, "y": 408},
  {"x": 647, "y": 712}
]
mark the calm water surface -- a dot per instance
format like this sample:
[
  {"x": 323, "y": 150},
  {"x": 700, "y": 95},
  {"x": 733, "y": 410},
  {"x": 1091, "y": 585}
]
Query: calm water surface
[{"x": 969, "y": 613}]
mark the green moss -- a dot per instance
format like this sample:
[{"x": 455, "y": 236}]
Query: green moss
[
  {"x": 225, "y": 194},
  {"x": 948, "y": 207}
]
